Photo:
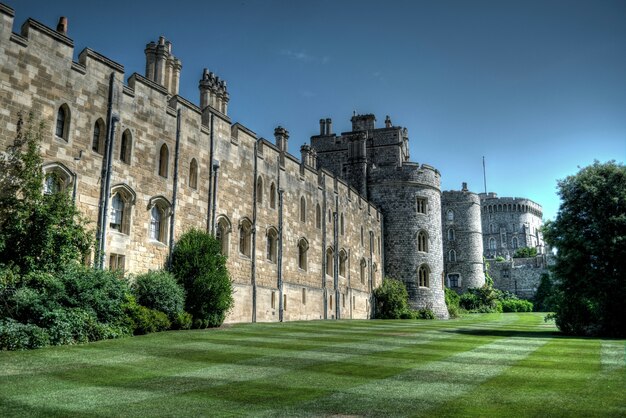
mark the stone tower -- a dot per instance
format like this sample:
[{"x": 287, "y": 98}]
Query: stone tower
[
  {"x": 375, "y": 161},
  {"x": 462, "y": 239}
]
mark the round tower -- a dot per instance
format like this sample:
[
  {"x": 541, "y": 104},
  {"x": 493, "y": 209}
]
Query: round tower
[
  {"x": 410, "y": 200},
  {"x": 462, "y": 239}
]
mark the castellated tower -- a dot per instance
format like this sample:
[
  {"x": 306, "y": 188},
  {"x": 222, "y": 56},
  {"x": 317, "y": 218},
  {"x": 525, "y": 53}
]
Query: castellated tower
[
  {"x": 462, "y": 239},
  {"x": 376, "y": 162}
]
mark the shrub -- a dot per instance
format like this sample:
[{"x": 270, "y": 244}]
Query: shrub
[
  {"x": 199, "y": 266},
  {"x": 159, "y": 290},
  {"x": 392, "y": 300},
  {"x": 141, "y": 320},
  {"x": 15, "y": 335},
  {"x": 452, "y": 302},
  {"x": 525, "y": 252},
  {"x": 424, "y": 314},
  {"x": 516, "y": 305},
  {"x": 183, "y": 320}
]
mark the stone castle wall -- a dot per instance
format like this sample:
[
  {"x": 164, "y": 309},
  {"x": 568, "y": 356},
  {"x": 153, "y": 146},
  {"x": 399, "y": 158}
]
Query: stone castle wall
[
  {"x": 521, "y": 276},
  {"x": 38, "y": 74}
]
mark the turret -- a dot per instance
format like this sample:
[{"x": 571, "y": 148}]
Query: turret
[
  {"x": 213, "y": 92},
  {"x": 281, "y": 135}
]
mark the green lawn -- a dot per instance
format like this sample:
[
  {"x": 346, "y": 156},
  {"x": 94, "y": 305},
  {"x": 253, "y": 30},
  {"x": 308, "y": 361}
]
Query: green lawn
[{"x": 480, "y": 365}]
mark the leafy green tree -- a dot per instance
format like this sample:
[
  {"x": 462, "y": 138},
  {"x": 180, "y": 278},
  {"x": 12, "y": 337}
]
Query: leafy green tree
[
  {"x": 198, "y": 264},
  {"x": 544, "y": 297},
  {"x": 589, "y": 234},
  {"x": 525, "y": 252},
  {"x": 391, "y": 299},
  {"x": 38, "y": 231}
]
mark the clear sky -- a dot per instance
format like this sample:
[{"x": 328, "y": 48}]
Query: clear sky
[{"x": 537, "y": 87}]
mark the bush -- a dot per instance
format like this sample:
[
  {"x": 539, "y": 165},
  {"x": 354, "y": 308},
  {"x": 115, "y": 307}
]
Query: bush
[
  {"x": 159, "y": 290},
  {"x": 199, "y": 266},
  {"x": 484, "y": 299},
  {"x": 17, "y": 336},
  {"x": 452, "y": 302},
  {"x": 525, "y": 252},
  {"x": 183, "y": 320},
  {"x": 392, "y": 300},
  {"x": 141, "y": 320}
]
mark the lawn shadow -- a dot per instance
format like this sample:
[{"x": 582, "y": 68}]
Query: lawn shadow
[{"x": 488, "y": 332}]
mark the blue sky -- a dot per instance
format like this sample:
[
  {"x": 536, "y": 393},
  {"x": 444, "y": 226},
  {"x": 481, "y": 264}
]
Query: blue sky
[{"x": 538, "y": 87}]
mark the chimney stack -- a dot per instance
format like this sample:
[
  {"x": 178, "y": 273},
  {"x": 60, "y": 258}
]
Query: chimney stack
[
  {"x": 62, "y": 26},
  {"x": 329, "y": 126},
  {"x": 322, "y": 127},
  {"x": 281, "y": 135},
  {"x": 464, "y": 189}
]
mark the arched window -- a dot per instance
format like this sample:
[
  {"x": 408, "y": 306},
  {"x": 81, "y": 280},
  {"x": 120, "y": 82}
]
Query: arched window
[
  {"x": 303, "y": 247},
  {"x": 422, "y": 241},
  {"x": 97, "y": 144},
  {"x": 273, "y": 196},
  {"x": 492, "y": 243},
  {"x": 452, "y": 256},
  {"x": 222, "y": 233},
  {"x": 514, "y": 243},
  {"x": 117, "y": 212},
  {"x": 318, "y": 217},
  {"x": 343, "y": 258},
  {"x": 341, "y": 225},
  {"x": 423, "y": 275},
  {"x": 330, "y": 258},
  {"x": 451, "y": 235},
  {"x": 259, "y": 190},
  {"x": 421, "y": 205},
  {"x": 52, "y": 184},
  {"x": 63, "y": 122},
  {"x": 272, "y": 240},
  {"x": 450, "y": 215},
  {"x": 245, "y": 237},
  {"x": 330, "y": 216},
  {"x": 362, "y": 237},
  {"x": 159, "y": 212},
  {"x": 164, "y": 157},
  {"x": 362, "y": 270},
  {"x": 302, "y": 209},
  {"x": 123, "y": 197},
  {"x": 126, "y": 146},
  {"x": 193, "y": 174},
  {"x": 57, "y": 178}
]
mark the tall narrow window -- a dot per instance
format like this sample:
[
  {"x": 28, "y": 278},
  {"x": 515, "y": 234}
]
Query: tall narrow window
[
  {"x": 302, "y": 209},
  {"x": 514, "y": 243},
  {"x": 422, "y": 241},
  {"x": 52, "y": 184},
  {"x": 259, "y": 190},
  {"x": 164, "y": 156},
  {"x": 450, "y": 215},
  {"x": 273, "y": 302},
  {"x": 245, "y": 239},
  {"x": 222, "y": 234},
  {"x": 193, "y": 174},
  {"x": 492, "y": 243},
  {"x": 318, "y": 217},
  {"x": 63, "y": 122},
  {"x": 284, "y": 302},
  {"x": 303, "y": 247},
  {"x": 454, "y": 280},
  {"x": 304, "y": 295},
  {"x": 330, "y": 258},
  {"x": 159, "y": 210},
  {"x": 272, "y": 240},
  {"x": 122, "y": 200},
  {"x": 362, "y": 270},
  {"x": 155, "y": 223},
  {"x": 341, "y": 225},
  {"x": 452, "y": 256},
  {"x": 423, "y": 274},
  {"x": 420, "y": 205},
  {"x": 343, "y": 258},
  {"x": 117, "y": 212},
  {"x": 126, "y": 147},
  {"x": 362, "y": 238},
  {"x": 273, "y": 196},
  {"x": 97, "y": 143},
  {"x": 451, "y": 236}
]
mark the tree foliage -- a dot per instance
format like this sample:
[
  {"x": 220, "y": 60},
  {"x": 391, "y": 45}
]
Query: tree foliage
[
  {"x": 589, "y": 234},
  {"x": 199, "y": 266},
  {"x": 391, "y": 299},
  {"x": 525, "y": 252}
]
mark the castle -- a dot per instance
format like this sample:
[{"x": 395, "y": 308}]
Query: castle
[{"x": 307, "y": 238}]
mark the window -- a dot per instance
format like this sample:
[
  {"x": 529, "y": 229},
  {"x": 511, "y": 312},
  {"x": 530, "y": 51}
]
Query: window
[
  {"x": 329, "y": 261},
  {"x": 117, "y": 212},
  {"x": 492, "y": 228},
  {"x": 362, "y": 238},
  {"x": 492, "y": 243},
  {"x": 164, "y": 156},
  {"x": 423, "y": 273},
  {"x": 273, "y": 302},
  {"x": 97, "y": 143},
  {"x": 318, "y": 217},
  {"x": 452, "y": 256},
  {"x": 362, "y": 270},
  {"x": 245, "y": 237},
  {"x": 123, "y": 197},
  {"x": 159, "y": 211},
  {"x": 222, "y": 233},
  {"x": 454, "y": 280},
  {"x": 273, "y": 196},
  {"x": 514, "y": 243},
  {"x": 503, "y": 239},
  {"x": 422, "y": 241},
  {"x": 193, "y": 174},
  {"x": 331, "y": 302},
  {"x": 302, "y": 209},
  {"x": 272, "y": 240},
  {"x": 284, "y": 302},
  {"x": 343, "y": 300},
  {"x": 52, "y": 184},
  {"x": 343, "y": 257},
  {"x": 304, "y": 295},
  {"x": 63, "y": 122},
  {"x": 117, "y": 262},
  {"x": 57, "y": 178},
  {"x": 450, "y": 215},
  {"x": 341, "y": 225},
  {"x": 126, "y": 147},
  {"x": 506, "y": 273},
  {"x": 259, "y": 190},
  {"x": 421, "y": 205},
  {"x": 303, "y": 247},
  {"x": 330, "y": 216},
  {"x": 451, "y": 234}
]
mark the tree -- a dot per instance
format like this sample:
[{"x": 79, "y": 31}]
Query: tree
[
  {"x": 589, "y": 234},
  {"x": 391, "y": 299},
  {"x": 199, "y": 266},
  {"x": 38, "y": 232},
  {"x": 525, "y": 252}
]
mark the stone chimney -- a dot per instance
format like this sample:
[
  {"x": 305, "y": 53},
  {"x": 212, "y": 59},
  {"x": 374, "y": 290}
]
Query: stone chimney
[
  {"x": 322, "y": 127},
  {"x": 329, "y": 126},
  {"x": 363, "y": 122},
  {"x": 281, "y": 135},
  {"x": 62, "y": 25},
  {"x": 464, "y": 188},
  {"x": 161, "y": 66},
  {"x": 213, "y": 92},
  {"x": 387, "y": 122}
]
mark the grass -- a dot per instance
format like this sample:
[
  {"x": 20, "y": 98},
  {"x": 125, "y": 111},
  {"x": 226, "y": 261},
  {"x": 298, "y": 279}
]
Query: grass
[{"x": 480, "y": 365}]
